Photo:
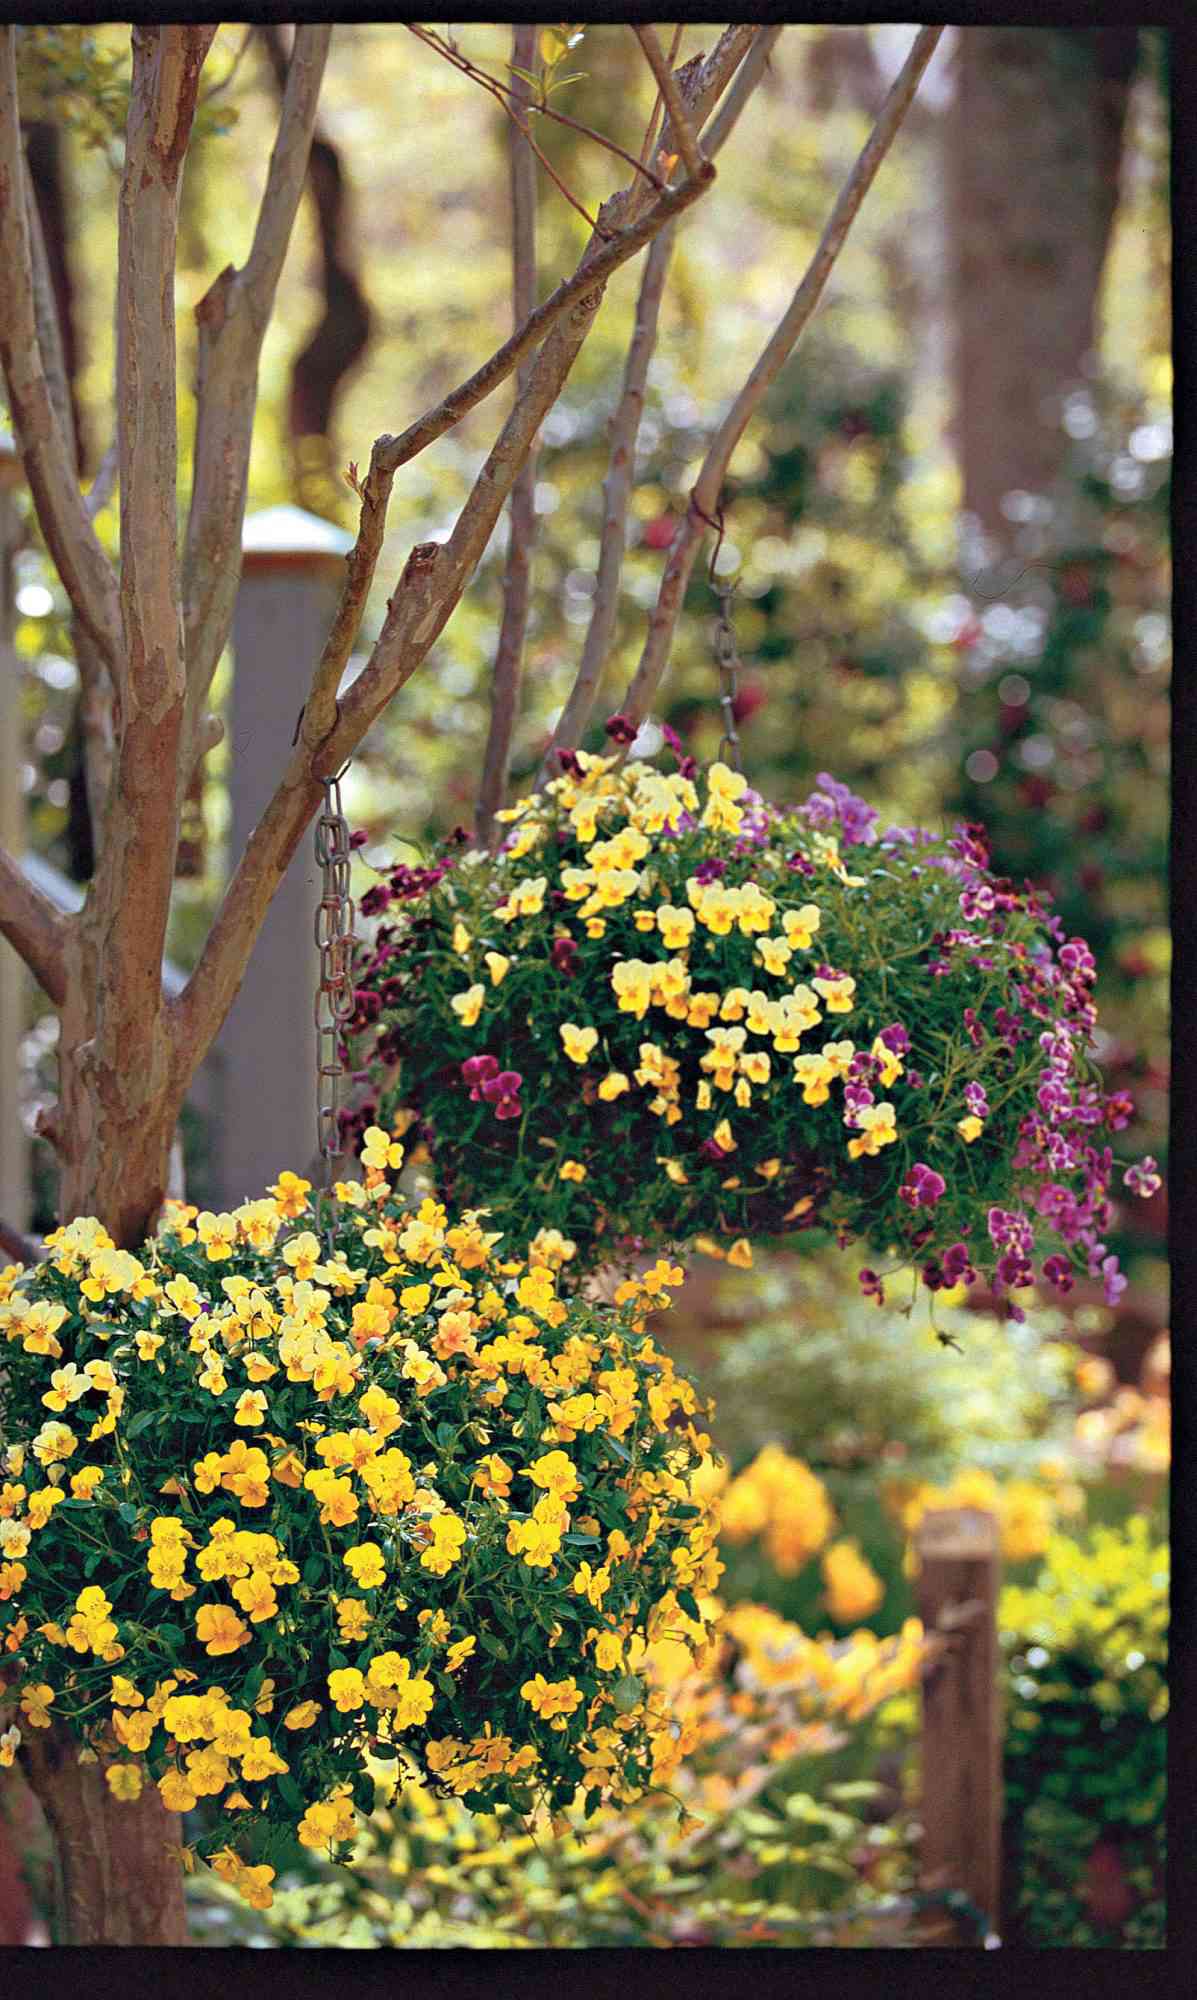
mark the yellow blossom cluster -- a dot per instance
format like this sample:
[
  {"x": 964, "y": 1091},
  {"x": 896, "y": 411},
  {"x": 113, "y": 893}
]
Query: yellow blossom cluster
[{"x": 307, "y": 1491}]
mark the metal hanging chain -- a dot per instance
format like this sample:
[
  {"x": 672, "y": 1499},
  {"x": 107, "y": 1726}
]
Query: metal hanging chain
[
  {"x": 334, "y": 994},
  {"x": 728, "y": 661},
  {"x": 727, "y": 657}
]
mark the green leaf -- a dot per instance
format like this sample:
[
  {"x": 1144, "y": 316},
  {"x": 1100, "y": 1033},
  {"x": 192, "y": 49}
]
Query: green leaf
[
  {"x": 627, "y": 1692},
  {"x": 289, "y": 1791},
  {"x": 491, "y": 1644},
  {"x": 688, "y": 1602}
]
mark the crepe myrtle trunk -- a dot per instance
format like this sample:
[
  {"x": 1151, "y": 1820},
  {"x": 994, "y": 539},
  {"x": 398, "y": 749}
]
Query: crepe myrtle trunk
[{"x": 117, "y": 1861}]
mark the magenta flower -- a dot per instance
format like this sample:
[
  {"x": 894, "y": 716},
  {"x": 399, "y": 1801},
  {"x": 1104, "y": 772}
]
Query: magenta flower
[
  {"x": 923, "y": 1187},
  {"x": 872, "y": 1286},
  {"x": 477, "y": 1071},
  {"x": 621, "y": 729},
  {"x": 503, "y": 1091},
  {"x": 896, "y": 1038},
  {"x": 1058, "y": 1272},
  {"x": 564, "y": 954}
]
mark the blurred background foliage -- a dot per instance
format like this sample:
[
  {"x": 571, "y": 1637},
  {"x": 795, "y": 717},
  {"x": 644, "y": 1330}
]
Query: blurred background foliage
[{"x": 945, "y": 650}]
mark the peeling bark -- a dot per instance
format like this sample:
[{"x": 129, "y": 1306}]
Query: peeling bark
[{"x": 118, "y": 1883}]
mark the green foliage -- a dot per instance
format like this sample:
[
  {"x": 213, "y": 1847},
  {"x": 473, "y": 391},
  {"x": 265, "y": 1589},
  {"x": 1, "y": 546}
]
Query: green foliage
[
  {"x": 516, "y": 990},
  {"x": 809, "y": 1364},
  {"x": 786, "y": 1871},
  {"x": 483, "y": 1593},
  {"x": 1063, "y": 705},
  {"x": 79, "y": 78},
  {"x": 1086, "y": 1746}
]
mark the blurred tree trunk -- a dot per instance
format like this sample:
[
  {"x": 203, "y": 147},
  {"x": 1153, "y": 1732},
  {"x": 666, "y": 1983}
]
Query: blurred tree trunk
[
  {"x": 44, "y": 152},
  {"x": 343, "y": 332},
  {"x": 1033, "y": 157}
]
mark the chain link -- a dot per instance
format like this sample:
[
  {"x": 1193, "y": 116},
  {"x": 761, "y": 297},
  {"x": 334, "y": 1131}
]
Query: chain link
[
  {"x": 334, "y": 994},
  {"x": 727, "y": 659}
]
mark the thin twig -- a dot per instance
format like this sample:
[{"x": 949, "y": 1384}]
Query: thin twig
[
  {"x": 540, "y": 106},
  {"x": 496, "y": 90},
  {"x": 617, "y": 489},
  {"x": 86, "y": 573},
  {"x": 704, "y": 497},
  {"x": 662, "y": 70},
  {"x": 751, "y": 70},
  {"x": 517, "y": 573},
  {"x": 646, "y": 150}
]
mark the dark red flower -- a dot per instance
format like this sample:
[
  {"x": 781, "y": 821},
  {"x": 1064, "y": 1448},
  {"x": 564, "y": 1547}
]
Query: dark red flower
[{"x": 621, "y": 729}]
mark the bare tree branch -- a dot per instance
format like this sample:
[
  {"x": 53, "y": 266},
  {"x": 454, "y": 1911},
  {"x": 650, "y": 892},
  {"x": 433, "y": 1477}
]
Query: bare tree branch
[
  {"x": 704, "y": 497},
  {"x": 617, "y": 491},
  {"x": 671, "y": 97},
  {"x": 46, "y": 448},
  {"x": 96, "y": 720},
  {"x": 129, "y": 901},
  {"x": 725, "y": 119},
  {"x": 517, "y": 576},
  {"x": 650, "y": 130},
  {"x": 232, "y": 318},
  {"x": 390, "y": 453},
  {"x": 433, "y": 578},
  {"x": 33, "y": 927},
  {"x": 104, "y": 484},
  {"x": 49, "y": 328},
  {"x": 617, "y": 486},
  {"x": 396, "y": 451}
]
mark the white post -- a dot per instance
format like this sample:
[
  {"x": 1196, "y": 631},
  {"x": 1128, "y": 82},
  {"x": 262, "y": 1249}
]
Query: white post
[
  {"x": 14, "y": 1141},
  {"x": 291, "y": 572}
]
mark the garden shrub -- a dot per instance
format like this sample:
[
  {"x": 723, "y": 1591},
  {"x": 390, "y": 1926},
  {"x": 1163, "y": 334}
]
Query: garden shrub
[
  {"x": 1085, "y": 1742},
  {"x": 655, "y": 1017},
  {"x": 274, "y": 1499}
]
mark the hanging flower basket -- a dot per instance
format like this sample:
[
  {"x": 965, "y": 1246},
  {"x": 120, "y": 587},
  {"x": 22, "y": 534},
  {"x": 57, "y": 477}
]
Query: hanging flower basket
[
  {"x": 666, "y": 1011},
  {"x": 269, "y": 1505}
]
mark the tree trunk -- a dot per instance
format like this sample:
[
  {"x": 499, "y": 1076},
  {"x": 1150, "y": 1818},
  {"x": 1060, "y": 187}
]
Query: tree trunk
[
  {"x": 1034, "y": 145},
  {"x": 118, "y": 1883}
]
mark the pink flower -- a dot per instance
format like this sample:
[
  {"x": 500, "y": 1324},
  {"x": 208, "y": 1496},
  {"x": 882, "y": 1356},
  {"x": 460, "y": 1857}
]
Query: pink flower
[
  {"x": 502, "y": 1090},
  {"x": 923, "y": 1187},
  {"x": 478, "y": 1071}
]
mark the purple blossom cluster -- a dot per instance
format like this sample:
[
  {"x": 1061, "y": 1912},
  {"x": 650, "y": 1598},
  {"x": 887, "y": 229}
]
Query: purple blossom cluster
[{"x": 831, "y": 804}]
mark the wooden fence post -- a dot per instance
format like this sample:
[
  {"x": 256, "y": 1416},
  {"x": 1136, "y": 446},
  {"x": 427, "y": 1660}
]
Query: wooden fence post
[
  {"x": 958, "y": 1553},
  {"x": 291, "y": 572},
  {"x": 14, "y": 980}
]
